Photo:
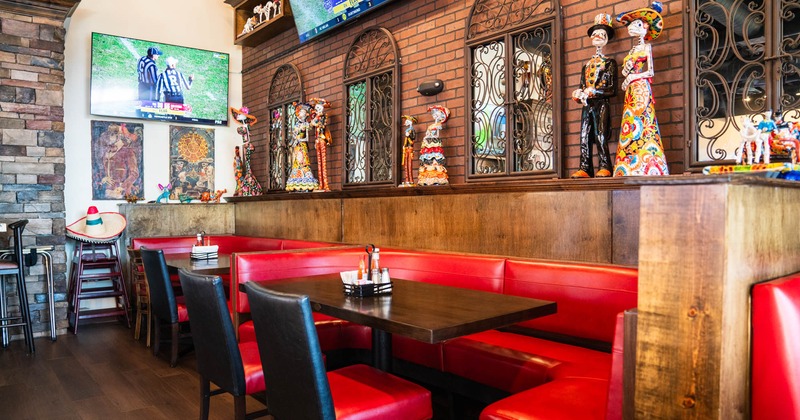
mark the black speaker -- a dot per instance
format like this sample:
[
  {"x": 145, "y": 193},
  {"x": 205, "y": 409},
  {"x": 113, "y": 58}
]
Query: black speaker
[{"x": 431, "y": 87}]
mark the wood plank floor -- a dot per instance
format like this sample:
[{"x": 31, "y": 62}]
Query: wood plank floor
[{"x": 103, "y": 373}]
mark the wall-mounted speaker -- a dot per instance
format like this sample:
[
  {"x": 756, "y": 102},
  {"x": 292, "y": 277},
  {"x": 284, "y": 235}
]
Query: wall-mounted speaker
[{"x": 431, "y": 87}]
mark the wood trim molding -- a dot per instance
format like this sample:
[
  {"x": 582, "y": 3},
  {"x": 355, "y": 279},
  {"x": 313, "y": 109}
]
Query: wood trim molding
[{"x": 53, "y": 9}]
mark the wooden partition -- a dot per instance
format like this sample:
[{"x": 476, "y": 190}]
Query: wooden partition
[
  {"x": 703, "y": 243},
  {"x": 561, "y": 220}
]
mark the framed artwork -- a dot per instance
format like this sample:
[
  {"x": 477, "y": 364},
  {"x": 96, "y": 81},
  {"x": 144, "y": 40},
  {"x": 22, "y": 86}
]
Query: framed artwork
[
  {"x": 117, "y": 154},
  {"x": 191, "y": 155}
]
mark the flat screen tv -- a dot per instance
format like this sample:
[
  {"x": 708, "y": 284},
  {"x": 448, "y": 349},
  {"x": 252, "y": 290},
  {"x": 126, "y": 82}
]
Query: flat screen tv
[
  {"x": 197, "y": 93},
  {"x": 315, "y": 17}
]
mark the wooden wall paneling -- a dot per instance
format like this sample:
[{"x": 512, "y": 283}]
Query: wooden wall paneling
[
  {"x": 154, "y": 219},
  {"x": 569, "y": 225},
  {"x": 625, "y": 227},
  {"x": 307, "y": 219},
  {"x": 701, "y": 249}
]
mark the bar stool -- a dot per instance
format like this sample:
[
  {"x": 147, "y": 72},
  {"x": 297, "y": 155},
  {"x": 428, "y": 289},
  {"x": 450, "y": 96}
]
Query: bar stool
[
  {"x": 17, "y": 269},
  {"x": 92, "y": 262},
  {"x": 141, "y": 293}
]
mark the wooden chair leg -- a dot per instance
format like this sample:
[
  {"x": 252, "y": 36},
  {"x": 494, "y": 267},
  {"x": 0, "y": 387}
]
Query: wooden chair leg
[
  {"x": 137, "y": 327},
  {"x": 173, "y": 361},
  {"x": 149, "y": 326},
  {"x": 205, "y": 397},
  {"x": 240, "y": 412}
]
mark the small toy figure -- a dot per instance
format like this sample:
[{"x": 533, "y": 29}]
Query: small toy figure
[
  {"x": 218, "y": 195},
  {"x": 765, "y": 127},
  {"x": 598, "y": 84},
  {"x": 276, "y": 6},
  {"x": 250, "y": 186},
  {"x": 132, "y": 198},
  {"x": 320, "y": 123},
  {"x": 431, "y": 154},
  {"x": 640, "y": 151},
  {"x": 750, "y": 141},
  {"x": 300, "y": 176},
  {"x": 260, "y": 10},
  {"x": 249, "y": 25},
  {"x": 164, "y": 192},
  {"x": 205, "y": 197},
  {"x": 237, "y": 171},
  {"x": 409, "y": 135},
  {"x": 183, "y": 198}
]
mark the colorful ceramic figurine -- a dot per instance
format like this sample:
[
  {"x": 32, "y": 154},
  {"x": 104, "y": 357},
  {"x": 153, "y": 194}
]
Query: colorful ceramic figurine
[
  {"x": 408, "y": 150},
  {"x": 320, "y": 122},
  {"x": 750, "y": 141},
  {"x": 237, "y": 171},
  {"x": 164, "y": 193},
  {"x": 598, "y": 84},
  {"x": 300, "y": 177},
  {"x": 431, "y": 154},
  {"x": 640, "y": 151},
  {"x": 250, "y": 186}
]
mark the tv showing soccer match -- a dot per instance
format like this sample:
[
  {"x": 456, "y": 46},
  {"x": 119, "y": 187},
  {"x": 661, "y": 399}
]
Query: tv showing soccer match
[
  {"x": 315, "y": 17},
  {"x": 133, "y": 78}
]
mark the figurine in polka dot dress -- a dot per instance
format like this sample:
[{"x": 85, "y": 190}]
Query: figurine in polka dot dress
[{"x": 598, "y": 84}]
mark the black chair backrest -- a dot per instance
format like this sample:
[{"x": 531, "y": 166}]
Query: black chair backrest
[
  {"x": 162, "y": 297},
  {"x": 18, "y": 227},
  {"x": 294, "y": 370},
  {"x": 218, "y": 357}
]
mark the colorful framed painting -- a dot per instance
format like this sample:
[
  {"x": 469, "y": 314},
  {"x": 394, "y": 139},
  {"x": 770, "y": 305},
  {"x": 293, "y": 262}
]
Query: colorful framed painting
[
  {"x": 191, "y": 154},
  {"x": 117, "y": 155}
]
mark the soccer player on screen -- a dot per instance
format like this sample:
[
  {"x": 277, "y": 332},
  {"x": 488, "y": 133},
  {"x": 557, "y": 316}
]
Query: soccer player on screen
[
  {"x": 173, "y": 83},
  {"x": 148, "y": 75}
]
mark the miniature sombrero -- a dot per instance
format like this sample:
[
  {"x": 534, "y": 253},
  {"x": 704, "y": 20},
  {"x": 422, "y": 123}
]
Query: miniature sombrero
[
  {"x": 602, "y": 21},
  {"x": 242, "y": 116},
  {"x": 650, "y": 15},
  {"x": 97, "y": 227}
]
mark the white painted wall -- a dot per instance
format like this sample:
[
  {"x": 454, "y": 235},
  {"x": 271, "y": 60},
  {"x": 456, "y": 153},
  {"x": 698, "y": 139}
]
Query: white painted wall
[{"x": 204, "y": 24}]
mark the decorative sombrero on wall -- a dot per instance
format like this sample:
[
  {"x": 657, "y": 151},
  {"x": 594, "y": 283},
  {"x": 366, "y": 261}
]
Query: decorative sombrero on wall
[
  {"x": 97, "y": 227},
  {"x": 650, "y": 15}
]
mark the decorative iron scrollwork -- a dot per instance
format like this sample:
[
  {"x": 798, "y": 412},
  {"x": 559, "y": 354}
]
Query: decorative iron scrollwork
[{"x": 489, "y": 17}]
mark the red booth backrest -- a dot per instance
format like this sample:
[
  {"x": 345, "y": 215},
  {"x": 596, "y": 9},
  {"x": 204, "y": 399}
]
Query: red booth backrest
[
  {"x": 227, "y": 243},
  {"x": 776, "y": 360},
  {"x": 589, "y": 296},
  {"x": 471, "y": 271},
  {"x": 261, "y": 266}
]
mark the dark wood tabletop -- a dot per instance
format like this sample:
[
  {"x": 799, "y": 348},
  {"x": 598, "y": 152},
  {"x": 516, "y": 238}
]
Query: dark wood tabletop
[
  {"x": 217, "y": 266},
  {"x": 423, "y": 311}
]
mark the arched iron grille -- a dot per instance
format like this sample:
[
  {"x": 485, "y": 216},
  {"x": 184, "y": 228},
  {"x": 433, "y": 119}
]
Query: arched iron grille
[
  {"x": 286, "y": 87},
  {"x": 512, "y": 93},
  {"x": 371, "y": 78},
  {"x": 739, "y": 70}
]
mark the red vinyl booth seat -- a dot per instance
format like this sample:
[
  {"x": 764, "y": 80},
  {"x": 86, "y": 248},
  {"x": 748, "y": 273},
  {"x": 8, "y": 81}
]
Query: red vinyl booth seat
[{"x": 775, "y": 384}]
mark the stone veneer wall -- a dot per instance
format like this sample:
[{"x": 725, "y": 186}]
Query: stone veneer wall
[{"x": 32, "y": 143}]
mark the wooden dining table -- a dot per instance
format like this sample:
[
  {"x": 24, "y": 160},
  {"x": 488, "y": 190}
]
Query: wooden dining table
[
  {"x": 426, "y": 312},
  {"x": 213, "y": 267}
]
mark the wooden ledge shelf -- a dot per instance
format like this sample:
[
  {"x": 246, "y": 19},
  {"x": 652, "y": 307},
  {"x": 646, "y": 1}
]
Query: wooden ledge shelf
[{"x": 266, "y": 30}]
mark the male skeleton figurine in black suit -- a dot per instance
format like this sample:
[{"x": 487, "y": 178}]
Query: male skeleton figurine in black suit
[{"x": 598, "y": 84}]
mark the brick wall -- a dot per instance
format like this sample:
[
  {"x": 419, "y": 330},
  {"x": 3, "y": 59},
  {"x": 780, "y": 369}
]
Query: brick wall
[
  {"x": 430, "y": 36},
  {"x": 32, "y": 149}
]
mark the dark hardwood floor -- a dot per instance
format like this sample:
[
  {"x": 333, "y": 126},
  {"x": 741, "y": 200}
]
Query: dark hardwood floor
[{"x": 103, "y": 373}]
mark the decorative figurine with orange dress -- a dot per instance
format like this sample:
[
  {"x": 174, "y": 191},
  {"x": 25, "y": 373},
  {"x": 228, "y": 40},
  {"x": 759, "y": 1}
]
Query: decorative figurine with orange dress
[
  {"x": 598, "y": 84},
  {"x": 237, "y": 171},
  {"x": 640, "y": 151},
  {"x": 320, "y": 121},
  {"x": 408, "y": 150},
  {"x": 301, "y": 178},
  {"x": 250, "y": 186},
  {"x": 431, "y": 154}
]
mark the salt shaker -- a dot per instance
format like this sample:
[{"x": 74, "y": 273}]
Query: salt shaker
[{"x": 385, "y": 275}]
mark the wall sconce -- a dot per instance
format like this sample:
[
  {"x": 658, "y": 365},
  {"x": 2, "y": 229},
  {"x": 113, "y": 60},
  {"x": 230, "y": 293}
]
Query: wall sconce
[{"x": 431, "y": 87}]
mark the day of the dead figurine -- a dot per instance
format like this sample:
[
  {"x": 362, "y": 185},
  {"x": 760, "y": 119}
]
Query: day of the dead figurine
[
  {"x": 320, "y": 123},
  {"x": 408, "y": 149},
  {"x": 640, "y": 151},
  {"x": 250, "y": 186},
  {"x": 431, "y": 154},
  {"x": 300, "y": 177},
  {"x": 598, "y": 84}
]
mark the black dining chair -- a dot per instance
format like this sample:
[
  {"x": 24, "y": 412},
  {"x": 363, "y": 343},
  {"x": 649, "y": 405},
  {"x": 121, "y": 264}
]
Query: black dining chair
[
  {"x": 298, "y": 386},
  {"x": 165, "y": 310},
  {"x": 16, "y": 268},
  {"x": 233, "y": 367}
]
